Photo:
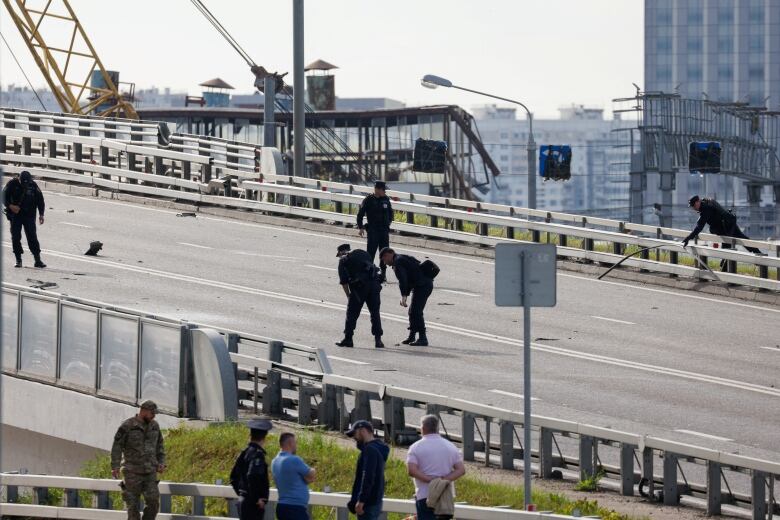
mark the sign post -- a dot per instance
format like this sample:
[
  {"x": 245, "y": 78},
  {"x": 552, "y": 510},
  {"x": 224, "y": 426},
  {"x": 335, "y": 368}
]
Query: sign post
[{"x": 525, "y": 276}]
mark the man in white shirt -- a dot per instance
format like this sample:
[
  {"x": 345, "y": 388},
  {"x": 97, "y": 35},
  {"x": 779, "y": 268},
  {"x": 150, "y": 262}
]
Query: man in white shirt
[{"x": 430, "y": 458}]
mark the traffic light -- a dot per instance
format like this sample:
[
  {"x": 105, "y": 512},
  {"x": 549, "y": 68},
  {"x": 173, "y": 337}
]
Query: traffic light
[
  {"x": 429, "y": 156},
  {"x": 555, "y": 162},
  {"x": 704, "y": 157}
]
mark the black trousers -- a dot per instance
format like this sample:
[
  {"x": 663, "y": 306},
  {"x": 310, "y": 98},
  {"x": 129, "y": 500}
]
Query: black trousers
[
  {"x": 735, "y": 232},
  {"x": 377, "y": 239},
  {"x": 248, "y": 510},
  {"x": 19, "y": 222},
  {"x": 369, "y": 294},
  {"x": 420, "y": 295}
]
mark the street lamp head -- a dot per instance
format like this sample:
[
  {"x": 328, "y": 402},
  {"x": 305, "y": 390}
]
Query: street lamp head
[{"x": 431, "y": 81}]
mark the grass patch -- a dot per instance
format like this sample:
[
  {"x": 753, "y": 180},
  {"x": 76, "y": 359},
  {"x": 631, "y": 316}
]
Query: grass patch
[
  {"x": 207, "y": 455},
  {"x": 589, "y": 482}
]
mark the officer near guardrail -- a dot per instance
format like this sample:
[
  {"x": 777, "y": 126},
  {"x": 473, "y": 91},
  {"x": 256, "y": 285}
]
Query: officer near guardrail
[
  {"x": 359, "y": 278},
  {"x": 379, "y": 211},
  {"x": 138, "y": 447},
  {"x": 249, "y": 476},
  {"x": 415, "y": 279},
  {"x": 22, "y": 198},
  {"x": 721, "y": 222}
]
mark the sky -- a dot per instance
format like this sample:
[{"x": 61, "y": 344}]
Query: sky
[{"x": 545, "y": 53}]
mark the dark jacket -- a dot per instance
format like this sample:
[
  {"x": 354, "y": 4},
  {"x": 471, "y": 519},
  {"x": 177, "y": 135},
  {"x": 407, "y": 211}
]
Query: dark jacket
[
  {"x": 356, "y": 268},
  {"x": 27, "y": 196},
  {"x": 711, "y": 213},
  {"x": 369, "y": 485},
  {"x": 407, "y": 270},
  {"x": 249, "y": 476},
  {"x": 379, "y": 212}
]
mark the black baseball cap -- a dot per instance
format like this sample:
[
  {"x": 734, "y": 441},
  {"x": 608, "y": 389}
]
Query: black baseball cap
[
  {"x": 358, "y": 425},
  {"x": 380, "y": 184},
  {"x": 342, "y": 249}
]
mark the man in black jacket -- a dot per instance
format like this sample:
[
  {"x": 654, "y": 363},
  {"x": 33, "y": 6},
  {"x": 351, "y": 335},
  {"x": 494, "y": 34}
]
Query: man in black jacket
[
  {"x": 379, "y": 211},
  {"x": 721, "y": 222},
  {"x": 359, "y": 278},
  {"x": 249, "y": 476},
  {"x": 368, "y": 489},
  {"x": 411, "y": 280},
  {"x": 21, "y": 198}
]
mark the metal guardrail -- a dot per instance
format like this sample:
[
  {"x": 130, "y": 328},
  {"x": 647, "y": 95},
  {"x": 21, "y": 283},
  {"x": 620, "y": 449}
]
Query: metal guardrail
[{"x": 73, "y": 508}]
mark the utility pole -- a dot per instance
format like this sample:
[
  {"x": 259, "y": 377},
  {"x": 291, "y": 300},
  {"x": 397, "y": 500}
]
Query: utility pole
[{"x": 299, "y": 90}]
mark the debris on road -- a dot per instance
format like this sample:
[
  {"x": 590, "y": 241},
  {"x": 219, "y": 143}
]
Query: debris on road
[
  {"x": 71, "y": 211},
  {"x": 40, "y": 284},
  {"x": 94, "y": 248},
  {"x": 187, "y": 214}
]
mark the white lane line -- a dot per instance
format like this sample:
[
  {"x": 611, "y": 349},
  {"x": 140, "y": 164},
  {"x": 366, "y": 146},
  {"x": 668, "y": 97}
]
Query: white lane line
[
  {"x": 428, "y": 253},
  {"x": 320, "y": 267},
  {"x": 510, "y": 394},
  {"x": 463, "y": 293},
  {"x": 705, "y": 435},
  {"x": 485, "y": 336},
  {"x": 614, "y": 320},
  {"x": 771, "y": 349},
  {"x": 76, "y": 225},
  {"x": 194, "y": 245},
  {"x": 346, "y": 360}
]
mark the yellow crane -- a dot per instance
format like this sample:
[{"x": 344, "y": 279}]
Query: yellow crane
[{"x": 64, "y": 66}]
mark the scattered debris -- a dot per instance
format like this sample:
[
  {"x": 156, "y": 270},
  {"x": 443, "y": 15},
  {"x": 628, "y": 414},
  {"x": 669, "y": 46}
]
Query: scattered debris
[
  {"x": 94, "y": 247},
  {"x": 186, "y": 214},
  {"x": 547, "y": 339},
  {"x": 40, "y": 284},
  {"x": 71, "y": 211},
  {"x": 445, "y": 303}
]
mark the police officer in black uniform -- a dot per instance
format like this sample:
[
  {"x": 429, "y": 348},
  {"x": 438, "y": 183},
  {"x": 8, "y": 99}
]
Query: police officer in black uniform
[
  {"x": 249, "y": 476},
  {"x": 22, "y": 198},
  {"x": 411, "y": 280},
  {"x": 721, "y": 222},
  {"x": 379, "y": 211},
  {"x": 359, "y": 278}
]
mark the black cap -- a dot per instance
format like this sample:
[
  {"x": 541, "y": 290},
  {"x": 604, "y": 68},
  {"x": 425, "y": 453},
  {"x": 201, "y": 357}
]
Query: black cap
[
  {"x": 380, "y": 184},
  {"x": 343, "y": 248},
  {"x": 358, "y": 425},
  {"x": 260, "y": 424},
  {"x": 25, "y": 176},
  {"x": 693, "y": 200}
]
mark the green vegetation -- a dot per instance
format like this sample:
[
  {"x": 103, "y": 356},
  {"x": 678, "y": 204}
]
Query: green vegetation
[
  {"x": 590, "y": 482},
  {"x": 206, "y": 455}
]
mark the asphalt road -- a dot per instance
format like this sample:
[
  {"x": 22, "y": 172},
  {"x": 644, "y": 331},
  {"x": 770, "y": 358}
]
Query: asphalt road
[{"x": 694, "y": 368}]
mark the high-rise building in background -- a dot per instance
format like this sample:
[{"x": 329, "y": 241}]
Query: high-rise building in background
[{"x": 722, "y": 50}]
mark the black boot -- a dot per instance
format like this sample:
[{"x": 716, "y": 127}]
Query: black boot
[
  {"x": 18, "y": 261},
  {"x": 346, "y": 342},
  {"x": 378, "y": 342},
  {"x": 410, "y": 339},
  {"x": 38, "y": 262},
  {"x": 422, "y": 341}
]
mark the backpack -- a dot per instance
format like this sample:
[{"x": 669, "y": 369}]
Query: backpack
[{"x": 429, "y": 269}]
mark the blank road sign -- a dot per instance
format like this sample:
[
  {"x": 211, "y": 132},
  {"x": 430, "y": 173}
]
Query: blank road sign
[{"x": 540, "y": 268}]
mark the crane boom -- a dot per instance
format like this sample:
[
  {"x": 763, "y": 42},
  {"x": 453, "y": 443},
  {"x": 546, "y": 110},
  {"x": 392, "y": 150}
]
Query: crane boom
[{"x": 64, "y": 67}]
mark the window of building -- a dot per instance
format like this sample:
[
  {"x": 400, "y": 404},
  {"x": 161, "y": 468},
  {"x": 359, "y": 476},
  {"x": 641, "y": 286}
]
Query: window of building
[
  {"x": 695, "y": 73},
  {"x": 726, "y": 14},
  {"x": 504, "y": 158},
  {"x": 504, "y": 135},
  {"x": 694, "y": 44},
  {"x": 695, "y": 16},
  {"x": 756, "y": 13},
  {"x": 663, "y": 16},
  {"x": 756, "y": 73},
  {"x": 725, "y": 44},
  {"x": 725, "y": 72},
  {"x": 504, "y": 146},
  {"x": 756, "y": 43},
  {"x": 663, "y": 73}
]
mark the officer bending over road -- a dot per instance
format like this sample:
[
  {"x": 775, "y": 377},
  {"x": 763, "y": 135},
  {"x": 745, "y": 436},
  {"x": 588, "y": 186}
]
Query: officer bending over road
[
  {"x": 359, "y": 278},
  {"x": 379, "y": 211},
  {"x": 411, "y": 280}
]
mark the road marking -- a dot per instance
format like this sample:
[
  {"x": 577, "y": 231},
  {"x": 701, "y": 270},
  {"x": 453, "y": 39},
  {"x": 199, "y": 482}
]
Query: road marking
[
  {"x": 771, "y": 349},
  {"x": 320, "y": 267},
  {"x": 614, "y": 320},
  {"x": 346, "y": 360},
  {"x": 705, "y": 435},
  {"x": 485, "y": 336},
  {"x": 464, "y": 293},
  {"x": 194, "y": 245},
  {"x": 511, "y": 394},
  {"x": 75, "y": 225},
  {"x": 276, "y": 257}
]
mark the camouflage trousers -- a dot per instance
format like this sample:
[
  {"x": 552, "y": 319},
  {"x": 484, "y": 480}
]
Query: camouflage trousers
[{"x": 137, "y": 485}]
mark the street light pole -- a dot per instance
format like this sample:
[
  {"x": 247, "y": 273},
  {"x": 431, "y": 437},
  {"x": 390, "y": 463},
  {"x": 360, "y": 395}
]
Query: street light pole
[
  {"x": 431, "y": 81},
  {"x": 299, "y": 90}
]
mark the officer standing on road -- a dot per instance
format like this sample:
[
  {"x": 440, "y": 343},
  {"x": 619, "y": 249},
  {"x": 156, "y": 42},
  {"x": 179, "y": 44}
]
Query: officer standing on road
[
  {"x": 379, "y": 211},
  {"x": 411, "y": 280},
  {"x": 721, "y": 222},
  {"x": 359, "y": 278},
  {"x": 249, "y": 476},
  {"x": 22, "y": 197},
  {"x": 138, "y": 447}
]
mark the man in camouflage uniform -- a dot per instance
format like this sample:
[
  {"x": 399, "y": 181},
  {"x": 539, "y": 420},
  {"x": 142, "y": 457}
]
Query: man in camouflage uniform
[{"x": 138, "y": 446}]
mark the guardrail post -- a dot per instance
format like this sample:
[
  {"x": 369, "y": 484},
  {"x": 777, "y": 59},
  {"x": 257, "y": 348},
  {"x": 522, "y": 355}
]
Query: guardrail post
[
  {"x": 72, "y": 498},
  {"x": 101, "y": 500},
  {"x": 105, "y": 160},
  {"x": 51, "y": 148},
  {"x": 714, "y": 496},
  {"x": 27, "y": 145},
  {"x": 507, "y": 438},
  {"x": 268, "y": 512},
  {"x": 487, "y": 441},
  {"x": 394, "y": 418},
  {"x": 304, "y": 403},
  {"x": 165, "y": 503},
  {"x": 562, "y": 240},
  {"x": 342, "y": 513},
  {"x": 647, "y": 470},
  {"x": 758, "y": 494},
  {"x": 627, "y": 469},
  {"x": 536, "y": 236},
  {"x": 587, "y": 459},
  {"x": 40, "y": 496},
  {"x": 362, "y": 406},
  {"x": 545, "y": 452},
  {"x": 78, "y": 152},
  {"x": 468, "y": 436},
  {"x": 434, "y": 221},
  {"x": 3, "y": 143},
  {"x": 329, "y": 415},
  {"x": 233, "y": 507},
  {"x": 671, "y": 490},
  {"x": 198, "y": 505},
  {"x": 588, "y": 244},
  {"x": 272, "y": 393},
  {"x": 12, "y": 494},
  {"x": 409, "y": 217},
  {"x": 159, "y": 166},
  {"x": 186, "y": 170}
]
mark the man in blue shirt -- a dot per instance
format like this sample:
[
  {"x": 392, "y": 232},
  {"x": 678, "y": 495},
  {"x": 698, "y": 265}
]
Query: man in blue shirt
[{"x": 292, "y": 477}]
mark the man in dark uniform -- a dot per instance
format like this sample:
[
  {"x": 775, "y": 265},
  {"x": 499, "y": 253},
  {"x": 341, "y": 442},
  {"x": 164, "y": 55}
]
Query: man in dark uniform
[
  {"x": 359, "y": 278},
  {"x": 22, "y": 197},
  {"x": 379, "y": 211},
  {"x": 249, "y": 476},
  {"x": 721, "y": 222},
  {"x": 411, "y": 280}
]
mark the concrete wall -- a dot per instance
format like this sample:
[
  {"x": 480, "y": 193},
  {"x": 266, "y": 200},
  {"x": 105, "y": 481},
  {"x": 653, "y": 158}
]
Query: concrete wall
[{"x": 42, "y": 454}]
